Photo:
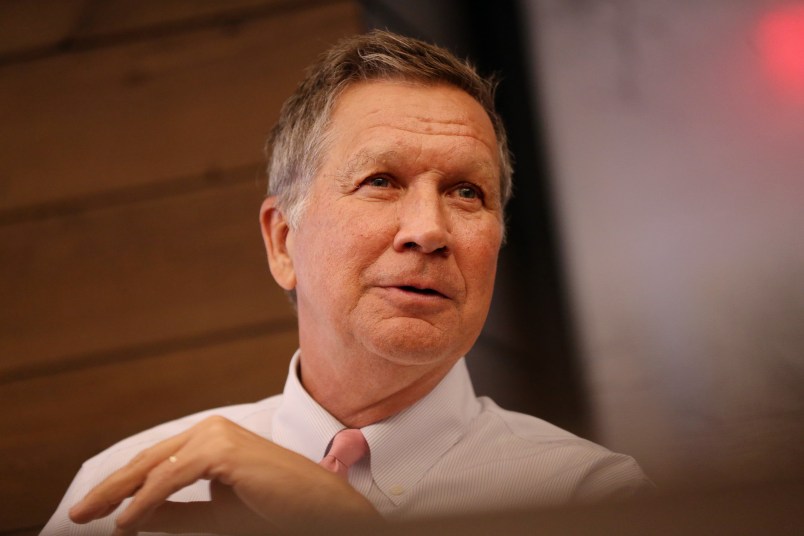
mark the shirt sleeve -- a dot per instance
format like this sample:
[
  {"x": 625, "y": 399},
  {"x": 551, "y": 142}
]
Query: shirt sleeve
[
  {"x": 613, "y": 477},
  {"x": 60, "y": 523},
  {"x": 252, "y": 416}
]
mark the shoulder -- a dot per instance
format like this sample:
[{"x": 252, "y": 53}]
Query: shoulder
[
  {"x": 549, "y": 460},
  {"x": 517, "y": 434},
  {"x": 256, "y": 416}
]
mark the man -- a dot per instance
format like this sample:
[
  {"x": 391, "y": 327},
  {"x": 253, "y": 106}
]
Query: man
[{"x": 388, "y": 179}]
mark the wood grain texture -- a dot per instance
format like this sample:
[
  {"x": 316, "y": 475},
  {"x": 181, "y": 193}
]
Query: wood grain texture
[
  {"x": 146, "y": 273},
  {"x": 31, "y": 29},
  {"x": 133, "y": 283},
  {"x": 29, "y": 24},
  {"x": 50, "y": 425},
  {"x": 125, "y": 16},
  {"x": 136, "y": 114}
]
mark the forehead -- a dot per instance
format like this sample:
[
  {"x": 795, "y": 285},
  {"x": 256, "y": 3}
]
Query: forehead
[{"x": 384, "y": 119}]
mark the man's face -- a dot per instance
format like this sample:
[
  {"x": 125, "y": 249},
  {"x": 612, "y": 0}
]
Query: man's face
[{"x": 396, "y": 252}]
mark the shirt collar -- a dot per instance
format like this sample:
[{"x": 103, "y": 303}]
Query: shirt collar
[
  {"x": 300, "y": 423},
  {"x": 403, "y": 447}
]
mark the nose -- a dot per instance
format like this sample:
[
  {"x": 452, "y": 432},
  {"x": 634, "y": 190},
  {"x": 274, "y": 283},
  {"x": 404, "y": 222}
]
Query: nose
[{"x": 423, "y": 223}]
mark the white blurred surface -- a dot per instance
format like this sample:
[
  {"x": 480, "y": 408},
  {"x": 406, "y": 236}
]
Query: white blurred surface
[{"x": 678, "y": 164}]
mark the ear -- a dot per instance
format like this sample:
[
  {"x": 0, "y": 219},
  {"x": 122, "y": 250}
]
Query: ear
[{"x": 275, "y": 231}]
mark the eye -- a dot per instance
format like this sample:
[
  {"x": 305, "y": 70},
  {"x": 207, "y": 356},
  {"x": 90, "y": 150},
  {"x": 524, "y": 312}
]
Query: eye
[
  {"x": 466, "y": 191},
  {"x": 377, "y": 182}
]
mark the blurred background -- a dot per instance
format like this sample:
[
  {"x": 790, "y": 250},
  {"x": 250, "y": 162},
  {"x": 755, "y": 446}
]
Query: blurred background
[{"x": 650, "y": 296}]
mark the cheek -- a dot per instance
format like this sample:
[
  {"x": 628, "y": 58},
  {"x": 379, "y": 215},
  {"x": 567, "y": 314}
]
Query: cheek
[
  {"x": 343, "y": 243},
  {"x": 484, "y": 270},
  {"x": 480, "y": 265}
]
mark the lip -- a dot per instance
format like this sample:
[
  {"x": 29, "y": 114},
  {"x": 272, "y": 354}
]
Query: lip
[
  {"x": 413, "y": 302},
  {"x": 418, "y": 292},
  {"x": 416, "y": 295},
  {"x": 420, "y": 288}
]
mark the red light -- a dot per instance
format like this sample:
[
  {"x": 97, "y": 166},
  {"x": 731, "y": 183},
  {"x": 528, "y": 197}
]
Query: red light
[{"x": 781, "y": 42}]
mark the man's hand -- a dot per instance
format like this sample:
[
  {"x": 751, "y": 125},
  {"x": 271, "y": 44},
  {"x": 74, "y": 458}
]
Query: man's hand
[{"x": 257, "y": 487}]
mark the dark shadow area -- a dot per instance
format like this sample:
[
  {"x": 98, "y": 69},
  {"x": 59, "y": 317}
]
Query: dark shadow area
[{"x": 760, "y": 509}]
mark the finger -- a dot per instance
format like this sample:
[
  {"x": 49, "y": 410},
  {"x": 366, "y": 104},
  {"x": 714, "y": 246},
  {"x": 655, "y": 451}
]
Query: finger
[
  {"x": 106, "y": 496},
  {"x": 166, "y": 478}
]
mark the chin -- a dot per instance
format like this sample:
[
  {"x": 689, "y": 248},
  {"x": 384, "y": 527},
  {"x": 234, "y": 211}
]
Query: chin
[{"x": 411, "y": 342}]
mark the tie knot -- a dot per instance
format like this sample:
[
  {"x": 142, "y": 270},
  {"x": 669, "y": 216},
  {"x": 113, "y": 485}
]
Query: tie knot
[{"x": 347, "y": 448}]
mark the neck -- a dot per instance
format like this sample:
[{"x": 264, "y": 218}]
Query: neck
[{"x": 366, "y": 389}]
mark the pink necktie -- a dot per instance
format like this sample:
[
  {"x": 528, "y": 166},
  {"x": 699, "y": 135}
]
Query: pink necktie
[{"x": 348, "y": 447}]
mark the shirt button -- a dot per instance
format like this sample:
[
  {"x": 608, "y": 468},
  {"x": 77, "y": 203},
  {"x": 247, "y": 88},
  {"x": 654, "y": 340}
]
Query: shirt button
[{"x": 397, "y": 490}]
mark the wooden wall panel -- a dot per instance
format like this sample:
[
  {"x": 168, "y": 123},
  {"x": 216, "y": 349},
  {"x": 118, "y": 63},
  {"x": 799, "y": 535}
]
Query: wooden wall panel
[
  {"x": 175, "y": 106},
  {"x": 32, "y": 28},
  {"x": 27, "y": 24},
  {"x": 117, "y": 16},
  {"x": 153, "y": 272},
  {"x": 133, "y": 285},
  {"x": 50, "y": 425}
]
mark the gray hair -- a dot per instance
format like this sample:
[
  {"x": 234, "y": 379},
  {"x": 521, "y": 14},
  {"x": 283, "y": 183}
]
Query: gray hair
[{"x": 298, "y": 140}]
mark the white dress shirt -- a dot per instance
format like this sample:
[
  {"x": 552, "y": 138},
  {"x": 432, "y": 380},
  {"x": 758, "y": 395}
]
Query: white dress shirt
[{"x": 451, "y": 452}]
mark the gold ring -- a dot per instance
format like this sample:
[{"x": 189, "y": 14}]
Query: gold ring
[{"x": 173, "y": 459}]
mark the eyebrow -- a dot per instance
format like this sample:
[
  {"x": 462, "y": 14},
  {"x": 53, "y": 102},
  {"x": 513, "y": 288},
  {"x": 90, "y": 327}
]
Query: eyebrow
[
  {"x": 368, "y": 157},
  {"x": 365, "y": 158}
]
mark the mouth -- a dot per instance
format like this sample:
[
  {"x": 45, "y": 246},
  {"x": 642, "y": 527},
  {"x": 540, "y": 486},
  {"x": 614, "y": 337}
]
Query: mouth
[{"x": 421, "y": 291}]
